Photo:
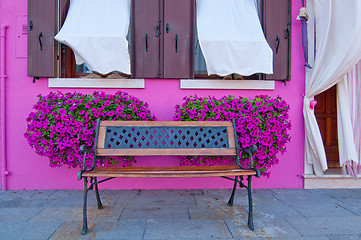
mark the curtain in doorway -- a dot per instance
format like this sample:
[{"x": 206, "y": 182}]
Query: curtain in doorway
[
  {"x": 349, "y": 120},
  {"x": 338, "y": 49}
]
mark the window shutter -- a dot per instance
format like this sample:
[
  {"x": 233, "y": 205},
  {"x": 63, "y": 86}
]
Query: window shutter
[
  {"x": 179, "y": 38},
  {"x": 42, "y": 25},
  {"x": 146, "y": 43},
  {"x": 65, "y": 51},
  {"x": 275, "y": 17}
]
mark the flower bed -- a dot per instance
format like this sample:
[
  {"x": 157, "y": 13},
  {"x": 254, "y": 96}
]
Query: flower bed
[
  {"x": 263, "y": 121},
  {"x": 63, "y": 122}
]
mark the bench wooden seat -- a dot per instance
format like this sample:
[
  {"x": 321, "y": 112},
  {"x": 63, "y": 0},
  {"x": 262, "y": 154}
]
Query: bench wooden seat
[
  {"x": 166, "y": 172},
  {"x": 166, "y": 138}
]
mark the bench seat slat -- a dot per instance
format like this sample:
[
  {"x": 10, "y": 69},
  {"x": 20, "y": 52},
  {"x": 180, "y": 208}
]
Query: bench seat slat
[
  {"x": 168, "y": 172},
  {"x": 167, "y": 152}
]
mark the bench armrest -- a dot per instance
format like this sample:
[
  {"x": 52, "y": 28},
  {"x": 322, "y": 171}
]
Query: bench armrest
[
  {"x": 251, "y": 151},
  {"x": 85, "y": 150}
]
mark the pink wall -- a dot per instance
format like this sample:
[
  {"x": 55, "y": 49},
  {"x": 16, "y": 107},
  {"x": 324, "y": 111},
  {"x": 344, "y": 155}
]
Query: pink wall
[{"x": 30, "y": 171}]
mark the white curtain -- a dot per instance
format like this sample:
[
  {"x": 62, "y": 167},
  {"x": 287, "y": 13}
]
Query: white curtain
[
  {"x": 231, "y": 37},
  {"x": 349, "y": 120},
  {"x": 338, "y": 49},
  {"x": 96, "y": 31}
]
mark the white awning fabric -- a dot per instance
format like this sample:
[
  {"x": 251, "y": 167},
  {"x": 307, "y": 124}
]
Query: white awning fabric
[
  {"x": 96, "y": 31},
  {"x": 231, "y": 38}
]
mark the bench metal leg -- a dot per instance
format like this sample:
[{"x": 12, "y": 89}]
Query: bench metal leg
[
  {"x": 230, "y": 201},
  {"x": 97, "y": 194},
  {"x": 85, "y": 225},
  {"x": 250, "y": 204}
]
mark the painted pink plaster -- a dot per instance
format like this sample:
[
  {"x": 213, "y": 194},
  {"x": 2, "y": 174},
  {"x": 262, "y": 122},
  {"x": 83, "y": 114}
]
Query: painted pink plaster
[{"x": 30, "y": 171}]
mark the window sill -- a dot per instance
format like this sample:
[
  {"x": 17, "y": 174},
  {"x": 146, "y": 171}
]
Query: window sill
[
  {"x": 95, "y": 83},
  {"x": 226, "y": 84},
  {"x": 140, "y": 83}
]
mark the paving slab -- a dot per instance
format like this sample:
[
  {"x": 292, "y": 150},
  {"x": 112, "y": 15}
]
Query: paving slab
[
  {"x": 76, "y": 214},
  {"x": 296, "y": 197},
  {"x": 263, "y": 228},
  {"x": 162, "y": 198},
  {"x": 18, "y": 214},
  {"x": 144, "y": 212},
  {"x": 213, "y": 197},
  {"x": 259, "y": 197},
  {"x": 274, "y": 210},
  {"x": 326, "y": 225},
  {"x": 15, "y": 202},
  {"x": 171, "y": 192},
  {"x": 339, "y": 194},
  {"x": 182, "y": 229},
  {"x": 20, "y": 199},
  {"x": 28, "y": 194},
  {"x": 121, "y": 195},
  {"x": 28, "y": 230},
  {"x": 354, "y": 207},
  {"x": 286, "y": 238},
  {"x": 344, "y": 237},
  {"x": 217, "y": 212},
  {"x": 322, "y": 210},
  {"x": 73, "y": 198},
  {"x": 104, "y": 230}
]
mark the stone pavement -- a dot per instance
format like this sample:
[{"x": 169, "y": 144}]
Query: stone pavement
[{"x": 182, "y": 214}]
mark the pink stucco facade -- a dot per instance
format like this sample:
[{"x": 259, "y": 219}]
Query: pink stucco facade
[{"x": 29, "y": 171}]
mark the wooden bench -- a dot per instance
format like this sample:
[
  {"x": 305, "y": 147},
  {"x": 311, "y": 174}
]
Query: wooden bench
[{"x": 166, "y": 138}]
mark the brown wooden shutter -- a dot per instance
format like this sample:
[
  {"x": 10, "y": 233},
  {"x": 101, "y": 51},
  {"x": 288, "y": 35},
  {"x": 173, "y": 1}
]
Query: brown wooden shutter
[
  {"x": 179, "y": 38},
  {"x": 169, "y": 55},
  {"x": 42, "y": 26},
  {"x": 275, "y": 18},
  {"x": 146, "y": 46},
  {"x": 65, "y": 51}
]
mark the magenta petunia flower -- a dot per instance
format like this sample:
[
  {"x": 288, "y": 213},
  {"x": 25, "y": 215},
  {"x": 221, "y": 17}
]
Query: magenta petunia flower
[
  {"x": 62, "y": 111},
  {"x": 262, "y": 127}
]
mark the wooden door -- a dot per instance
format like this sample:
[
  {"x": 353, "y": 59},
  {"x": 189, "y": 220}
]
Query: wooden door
[{"x": 326, "y": 115}]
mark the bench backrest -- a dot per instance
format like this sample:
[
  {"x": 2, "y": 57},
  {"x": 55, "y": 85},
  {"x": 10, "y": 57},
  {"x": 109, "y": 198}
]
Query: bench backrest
[{"x": 157, "y": 138}]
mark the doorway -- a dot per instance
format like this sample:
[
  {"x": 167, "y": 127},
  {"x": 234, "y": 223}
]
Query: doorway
[{"x": 326, "y": 115}]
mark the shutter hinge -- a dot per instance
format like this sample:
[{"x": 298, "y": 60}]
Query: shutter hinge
[{"x": 287, "y": 31}]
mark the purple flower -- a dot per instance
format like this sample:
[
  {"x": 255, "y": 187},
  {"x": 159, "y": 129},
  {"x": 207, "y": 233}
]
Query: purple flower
[
  {"x": 265, "y": 127},
  {"x": 55, "y": 132},
  {"x": 62, "y": 111},
  {"x": 258, "y": 104},
  {"x": 106, "y": 102}
]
